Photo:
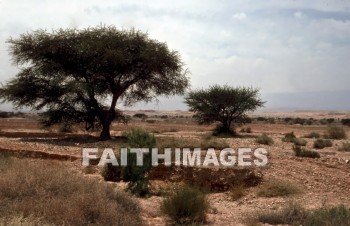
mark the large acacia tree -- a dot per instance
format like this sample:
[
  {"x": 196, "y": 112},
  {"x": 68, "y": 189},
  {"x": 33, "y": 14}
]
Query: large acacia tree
[
  {"x": 80, "y": 75},
  {"x": 224, "y": 104}
]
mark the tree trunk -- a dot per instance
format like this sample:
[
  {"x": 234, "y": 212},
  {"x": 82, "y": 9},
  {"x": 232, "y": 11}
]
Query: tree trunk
[
  {"x": 105, "y": 133},
  {"x": 106, "y": 123}
]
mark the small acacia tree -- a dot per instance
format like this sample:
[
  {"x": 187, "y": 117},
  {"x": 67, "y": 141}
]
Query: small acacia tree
[
  {"x": 78, "y": 76},
  {"x": 224, "y": 104}
]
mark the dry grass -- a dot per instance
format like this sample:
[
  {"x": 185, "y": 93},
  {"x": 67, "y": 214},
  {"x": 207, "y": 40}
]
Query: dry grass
[
  {"x": 48, "y": 191},
  {"x": 274, "y": 188}
]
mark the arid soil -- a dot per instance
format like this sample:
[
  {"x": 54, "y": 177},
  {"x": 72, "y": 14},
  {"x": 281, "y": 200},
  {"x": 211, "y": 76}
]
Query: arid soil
[{"x": 324, "y": 181}]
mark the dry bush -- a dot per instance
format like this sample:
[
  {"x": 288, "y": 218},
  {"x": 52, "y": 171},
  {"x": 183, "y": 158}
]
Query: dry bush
[
  {"x": 294, "y": 214},
  {"x": 345, "y": 147},
  {"x": 335, "y": 132},
  {"x": 290, "y": 137},
  {"x": 322, "y": 143},
  {"x": 274, "y": 188},
  {"x": 312, "y": 135},
  {"x": 237, "y": 192},
  {"x": 51, "y": 192},
  {"x": 186, "y": 205},
  {"x": 264, "y": 139},
  {"x": 302, "y": 152}
]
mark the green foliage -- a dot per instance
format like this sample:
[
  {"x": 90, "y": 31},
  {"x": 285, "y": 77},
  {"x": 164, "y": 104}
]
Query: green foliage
[
  {"x": 335, "y": 132},
  {"x": 345, "y": 147},
  {"x": 302, "y": 152},
  {"x": 312, "y": 135},
  {"x": 139, "y": 138},
  {"x": 224, "y": 104},
  {"x": 274, "y": 188},
  {"x": 322, "y": 143},
  {"x": 70, "y": 74},
  {"x": 136, "y": 175},
  {"x": 264, "y": 139},
  {"x": 186, "y": 205}
]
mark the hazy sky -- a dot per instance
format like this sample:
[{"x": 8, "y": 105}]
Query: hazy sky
[{"x": 279, "y": 46}]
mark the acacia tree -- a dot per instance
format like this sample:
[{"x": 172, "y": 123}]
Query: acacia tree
[
  {"x": 224, "y": 104},
  {"x": 80, "y": 75}
]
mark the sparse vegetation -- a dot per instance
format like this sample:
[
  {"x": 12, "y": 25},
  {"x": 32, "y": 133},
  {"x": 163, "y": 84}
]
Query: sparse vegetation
[
  {"x": 345, "y": 147},
  {"x": 312, "y": 135},
  {"x": 295, "y": 214},
  {"x": 322, "y": 143},
  {"x": 264, "y": 139},
  {"x": 274, "y": 188},
  {"x": 186, "y": 205},
  {"x": 290, "y": 137},
  {"x": 335, "y": 132},
  {"x": 50, "y": 193},
  {"x": 302, "y": 152},
  {"x": 135, "y": 175},
  {"x": 237, "y": 192}
]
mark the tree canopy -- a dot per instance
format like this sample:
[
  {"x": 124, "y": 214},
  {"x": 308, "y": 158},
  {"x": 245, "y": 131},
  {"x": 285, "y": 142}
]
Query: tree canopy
[
  {"x": 224, "y": 104},
  {"x": 80, "y": 75}
]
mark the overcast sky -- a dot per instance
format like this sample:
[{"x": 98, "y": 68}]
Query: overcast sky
[{"x": 279, "y": 46}]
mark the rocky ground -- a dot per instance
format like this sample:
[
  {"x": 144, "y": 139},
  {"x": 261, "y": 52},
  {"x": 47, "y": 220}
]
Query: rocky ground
[{"x": 324, "y": 181}]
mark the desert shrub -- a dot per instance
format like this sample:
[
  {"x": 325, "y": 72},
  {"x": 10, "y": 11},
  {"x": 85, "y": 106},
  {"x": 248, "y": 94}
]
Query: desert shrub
[
  {"x": 300, "y": 121},
  {"x": 111, "y": 173},
  {"x": 151, "y": 121},
  {"x": 49, "y": 191},
  {"x": 261, "y": 119},
  {"x": 345, "y": 147},
  {"x": 248, "y": 130},
  {"x": 337, "y": 216},
  {"x": 237, "y": 192},
  {"x": 299, "y": 142},
  {"x": 322, "y": 143},
  {"x": 345, "y": 121},
  {"x": 302, "y": 152},
  {"x": 287, "y": 120},
  {"x": 140, "y": 116},
  {"x": 323, "y": 121},
  {"x": 330, "y": 120},
  {"x": 295, "y": 214},
  {"x": 242, "y": 130},
  {"x": 264, "y": 139},
  {"x": 290, "y": 137},
  {"x": 139, "y": 138},
  {"x": 335, "y": 132},
  {"x": 186, "y": 205},
  {"x": 274, "y": 188},
  {"x": 312, "y": 135}
]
